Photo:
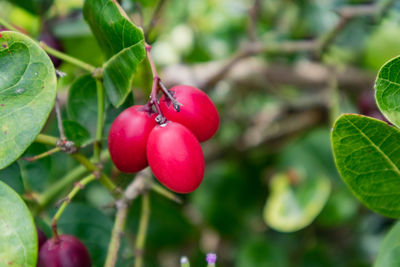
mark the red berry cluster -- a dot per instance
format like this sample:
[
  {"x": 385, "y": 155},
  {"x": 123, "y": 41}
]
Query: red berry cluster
[{"x": 172, "y": 148}]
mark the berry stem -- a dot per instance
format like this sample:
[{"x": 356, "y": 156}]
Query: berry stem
[
  {"x": 77, "y": 187},
  {"x": 154, "y": 90},
  {"x": 166, "y": 92}
]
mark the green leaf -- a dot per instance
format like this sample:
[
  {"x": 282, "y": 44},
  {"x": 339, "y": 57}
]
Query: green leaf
[
  {"x": 27, "y": 93},
  {"x": 111, "y": 26},
  {"x": 290, "y": 207},
  {"x": 82, "y": 102},
  {"x": 367, "y": 156},
  {"x": 37, "y": 7},
  {"x": 388, "y": 90},
  {"x": 118, "y": 72},
  {"x": 76, "y": 132},
  {"x": 389, "y": 251},
  {"x": 122, "y": 43},
  {"x": 12, "y": 177},
  {"x": 18, "y": 240}
]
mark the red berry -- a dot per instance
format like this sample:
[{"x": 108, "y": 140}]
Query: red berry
[
  {"x": 198, "y": 113},
  {"x": 67, "y": 251},
  {"x": 128, "y": 137},
  {"x": 42, "y": 238},
  {"x": 175, "y": 157}
]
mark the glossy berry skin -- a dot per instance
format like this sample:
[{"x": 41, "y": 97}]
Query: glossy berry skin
[
  {"x": 68, "y": 251},
  {"x": 175, "y": 157},
  {"x": 42, "y": 238},
  {"x": 128, "y": 137},
  {"x": 198, "y": 113}
]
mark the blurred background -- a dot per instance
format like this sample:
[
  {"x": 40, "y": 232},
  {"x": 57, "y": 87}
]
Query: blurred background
[{"x": 280, "y": 72}]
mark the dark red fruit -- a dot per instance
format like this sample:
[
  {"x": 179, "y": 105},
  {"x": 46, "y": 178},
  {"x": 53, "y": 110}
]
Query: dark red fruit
[
  {"x": 368, "y": 107},
  {"x": 128, "y": 137},
  {"x": 198, "y": 113},
  {"x": 49, "y": 39},
  {"x": 42, "y": 238},
  {"x": 175, "y": 157},
  {"x": 67, "y": 251},
  {"x": 366, "y": 102}
]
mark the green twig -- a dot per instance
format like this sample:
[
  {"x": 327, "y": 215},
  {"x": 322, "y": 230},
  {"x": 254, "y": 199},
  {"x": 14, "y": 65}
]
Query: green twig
[
  {"x": 116, "y": 234},
  {"x": 78, "y": 186},
  {"x": 137, "y": 187},
  {"x": 100, "y": 120},
  {"x": 54, "y": 190},
  {"x": 143, "y": 225},
  {"x": 67, "y": 58},
  {"x": 46, "y": 139},
  {"x": 9, "y": 26},
  {"x": 104, "y": 179},
  {"x": 165, "y": 193},
  {"x": 50, "y": 193},
  {"x": 44, "y": 154},
  {"x": 55, "y": 52}
]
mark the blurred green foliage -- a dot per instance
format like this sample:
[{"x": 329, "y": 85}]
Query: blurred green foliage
[{"x": 225, "y": 214}]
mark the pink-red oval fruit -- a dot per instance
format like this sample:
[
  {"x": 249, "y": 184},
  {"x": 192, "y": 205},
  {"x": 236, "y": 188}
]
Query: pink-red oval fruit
[
  {"x": 128, "y": 137},
  {"x": 175, "y": 157},
  {"x": 198, "y": 113},
  {"x": 67, "y": 251}
]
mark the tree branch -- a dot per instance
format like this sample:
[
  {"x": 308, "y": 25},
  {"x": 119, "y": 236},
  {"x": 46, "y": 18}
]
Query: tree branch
[{"x": 139, "y": 185}]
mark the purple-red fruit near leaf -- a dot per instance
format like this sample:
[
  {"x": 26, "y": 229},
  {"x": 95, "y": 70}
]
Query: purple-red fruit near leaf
[
  {"x": 49, "y": 39},
  {"x": 67, "y": 251},
  {"x": 366, "y": 102},
  {"x": 175, "y": 157},
  {"x": 128, "y": 137},
  {"x": 42, "y": 238},
  {"x": 197, "y": 112},
  {"x": 367, "y": 106}
]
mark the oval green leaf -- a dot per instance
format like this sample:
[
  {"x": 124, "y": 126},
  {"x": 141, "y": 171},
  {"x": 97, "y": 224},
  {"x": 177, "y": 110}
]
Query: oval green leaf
[
  {"x": 118, "y": 73},
  {"x": 388, "y": 90},
  {"x": 122, "y": 43},
  {"x": 18, "y": 240},
  {"x": 289, "y": 207},
  {"x": 76, "y": 132},
  {"x": 27, "y": 93},
  {"x": 389, "y": 251},
  {"x": 367, "y": 156},
  {"x": 82, "y": 102}
]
